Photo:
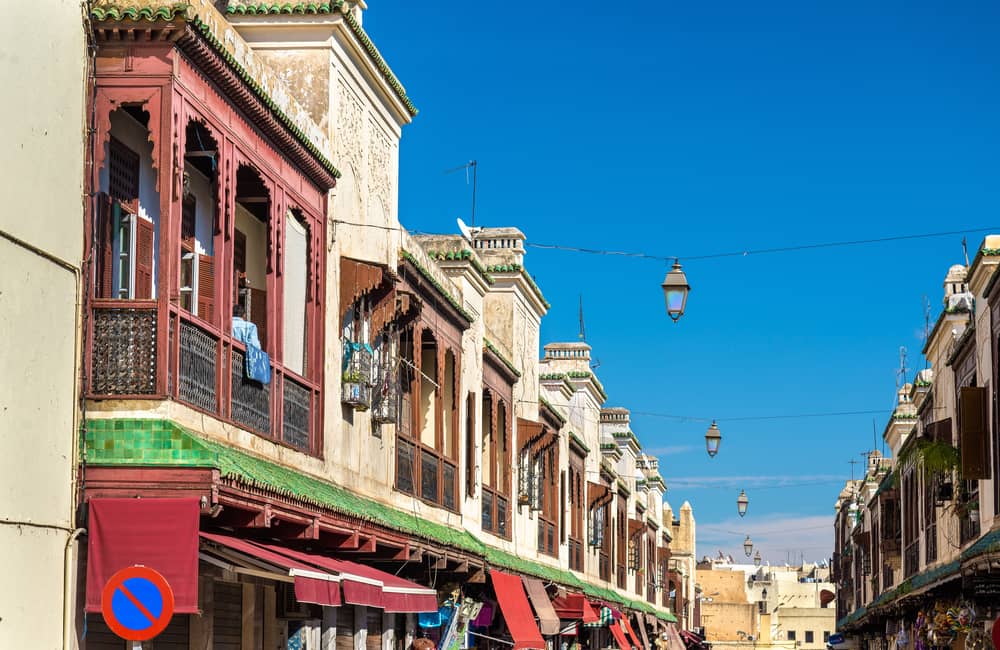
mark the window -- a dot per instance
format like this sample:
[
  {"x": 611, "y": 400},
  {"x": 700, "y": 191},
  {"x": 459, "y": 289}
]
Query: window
[
  {"x": 575, "y": 498},
  {"x": 791, "y": 635},
  {"x": 809, "y": 636},
  {"x": 621, "y": 540},
  {"x": 429, "y": 423},
  {"x": 126, "y": 226},
  {"x": 495, "y": 461},
  {"x": 199, "y": 223},
  {"x": 826, "y": 636},
  {"x": 547, "y": 495}
]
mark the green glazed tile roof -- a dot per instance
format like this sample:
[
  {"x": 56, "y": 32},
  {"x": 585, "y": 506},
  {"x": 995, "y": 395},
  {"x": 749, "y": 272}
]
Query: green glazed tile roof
[
  {"x": 505, "y": 560},
  {"x": 988, "y": 543},
  {"x": 161, "y": 442},
  {"x": 463, "y": 255},
  {"x": 579, "y": 441},
  {"x": 150, "y": 13},
  {"x": 409, "y": 257},
  {"x": 507, "y": 362},
  {"x": 158, "y": 442},
  {"x": 180, "y": 10},
  {"x": 933, "y": 575},
  {"x": 544, "y": 402},
  {"x": 264, "y": 8}
]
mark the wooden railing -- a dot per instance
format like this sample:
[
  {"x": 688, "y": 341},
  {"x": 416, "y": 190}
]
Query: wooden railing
[{"x": 140, "y": 349}]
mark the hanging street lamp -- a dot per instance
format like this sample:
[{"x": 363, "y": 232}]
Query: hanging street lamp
[
  {"x": 713, "y": 437},
  {"x": 742, "y": 502},
  {"x": 756, "y": 560},
  {"x": 675, "y": 290},
  {"x": 748, "y": 546}
]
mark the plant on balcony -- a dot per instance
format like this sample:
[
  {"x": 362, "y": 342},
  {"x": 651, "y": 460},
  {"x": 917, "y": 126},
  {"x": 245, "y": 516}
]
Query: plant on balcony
[
  {"x": 967, "y": 509},
  {"x": 356, "y": 375},
  {"x": 934, "y": 456}
]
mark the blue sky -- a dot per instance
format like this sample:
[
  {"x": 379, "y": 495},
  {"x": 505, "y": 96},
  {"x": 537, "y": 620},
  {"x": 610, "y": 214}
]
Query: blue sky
[{"x": 694, "y": 128}]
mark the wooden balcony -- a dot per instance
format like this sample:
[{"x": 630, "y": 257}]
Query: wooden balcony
[{"x": 146, "y": 350}]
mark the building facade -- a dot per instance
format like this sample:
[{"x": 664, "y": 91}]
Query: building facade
[
  {"x": 41, "y": 235},
  {"x": 769, "y": 607},
  {"x": 323, "y": 429},
  {"x": 915, "y": 537}
]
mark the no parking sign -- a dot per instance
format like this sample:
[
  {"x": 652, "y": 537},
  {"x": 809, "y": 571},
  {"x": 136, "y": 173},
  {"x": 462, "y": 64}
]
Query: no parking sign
[{"x": 137, "y": 603}]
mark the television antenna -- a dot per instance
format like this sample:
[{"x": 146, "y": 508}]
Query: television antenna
[{"x": 473, "y": 165}]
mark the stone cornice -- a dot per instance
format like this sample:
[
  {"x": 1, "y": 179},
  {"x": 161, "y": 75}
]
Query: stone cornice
[{"x": 334, "y": 7}]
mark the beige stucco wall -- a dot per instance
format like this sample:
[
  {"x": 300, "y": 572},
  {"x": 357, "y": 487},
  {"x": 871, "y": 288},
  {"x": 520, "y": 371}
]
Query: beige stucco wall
[{"x": 41, "y": 155}]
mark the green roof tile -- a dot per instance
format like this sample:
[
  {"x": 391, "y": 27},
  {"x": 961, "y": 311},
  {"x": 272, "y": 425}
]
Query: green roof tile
[
  {"x": 252, "y": 471},
  {"x": 334, "y": 6},
  {"x": 412, "y": 259},
  {"x": 507, "y": 362}
]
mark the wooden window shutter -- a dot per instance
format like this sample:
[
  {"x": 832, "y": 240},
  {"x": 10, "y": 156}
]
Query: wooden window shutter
[
  {"x": 143, "y": 259},
  {"x": 470, "y": 445},
  {"x": 973, "y": 432},
  {"x": 123, "y": 174},
  {"x": 258, "y": 313},
  {"x": 188, "y": 220},
  {"x": 104, "y": 255},
  {"x": 206, "y": 287}
]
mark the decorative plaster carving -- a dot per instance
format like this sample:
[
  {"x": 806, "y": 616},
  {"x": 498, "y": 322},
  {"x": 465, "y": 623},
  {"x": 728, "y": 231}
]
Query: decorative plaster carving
[
  {"x": 380, "y": 177},
  {"x": 349, "y": 132}
]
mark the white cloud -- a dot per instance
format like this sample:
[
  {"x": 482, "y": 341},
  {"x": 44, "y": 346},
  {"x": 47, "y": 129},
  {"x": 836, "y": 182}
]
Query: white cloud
[{"x": 779, "y": 538}]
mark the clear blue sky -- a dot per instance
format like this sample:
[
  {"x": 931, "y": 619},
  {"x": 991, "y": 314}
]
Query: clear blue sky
[{"x": 692, "y": 128}]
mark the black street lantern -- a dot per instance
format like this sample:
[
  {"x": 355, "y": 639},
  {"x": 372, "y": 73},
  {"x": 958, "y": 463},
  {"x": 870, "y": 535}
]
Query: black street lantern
[
  {"x": 713, "y": 437},
  {"x": 742, "y": 502},
  {"x": 763, "y": 594},
  {"x": 748, "y": 546},
  {"x": 675, "y": 290},
  {"x": 756, "y": 561}
]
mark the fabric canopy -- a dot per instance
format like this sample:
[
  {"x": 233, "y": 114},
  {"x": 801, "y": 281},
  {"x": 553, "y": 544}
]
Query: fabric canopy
[
  {"x": 365, "y": 585},
  {"x": 517, "y": 611},
  {"x": 311, "y": 586},
  {"x": 161, "y": 534},
  {"x": 548, "y": 620},
  {"x": 574, "y": 606},
  {"x": 641, "y": 624},
  {"x": 620, "y": 639},
  {"x": 627, "y": 626},
  {"x": 674, "y": 638}
]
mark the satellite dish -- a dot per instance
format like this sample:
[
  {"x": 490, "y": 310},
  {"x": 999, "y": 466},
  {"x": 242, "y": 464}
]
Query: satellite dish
[{"x": 465, "y": 230}]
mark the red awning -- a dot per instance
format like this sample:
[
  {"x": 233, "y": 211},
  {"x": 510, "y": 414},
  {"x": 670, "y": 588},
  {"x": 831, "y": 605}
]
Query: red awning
[
  {"x": 574, "y": 606},
  {"x": 616, "y": 631},
  {"x": 161, "y": 534},
  {"x": 624, "y": 622},
  {"x": 365, "y": 585},
  {"x": 358, "y": 590},
  {"x": 517, "y": 611},
  {"x": 311, "y": 586}
]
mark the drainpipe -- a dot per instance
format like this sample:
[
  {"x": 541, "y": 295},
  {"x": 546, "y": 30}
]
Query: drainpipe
[{"x": 68, "y": 589}]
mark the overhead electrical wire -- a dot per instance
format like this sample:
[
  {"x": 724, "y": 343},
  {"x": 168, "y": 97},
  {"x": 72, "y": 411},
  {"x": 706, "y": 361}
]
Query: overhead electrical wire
[{"x": 757, "y": 251}]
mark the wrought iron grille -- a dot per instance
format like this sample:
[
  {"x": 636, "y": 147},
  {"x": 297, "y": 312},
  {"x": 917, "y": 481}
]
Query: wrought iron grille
[
  {"x": 297, "y": 413},
  {"x": 124, "y": 354},
  {"x": 198, "y": 355},
  {"x": 251, "y": 405}
]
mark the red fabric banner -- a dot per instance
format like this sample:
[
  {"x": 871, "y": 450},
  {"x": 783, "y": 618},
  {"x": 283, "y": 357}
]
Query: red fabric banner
[{"x": 161, "y": 534}]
